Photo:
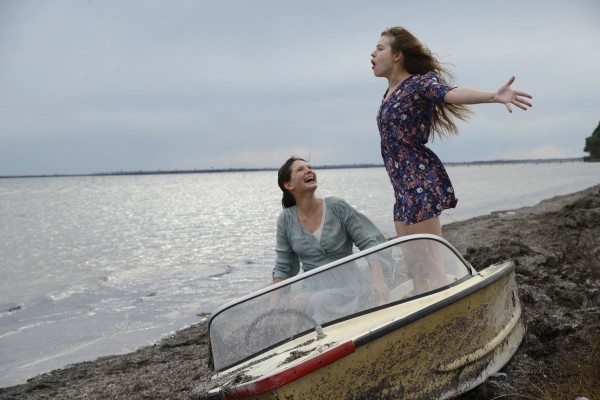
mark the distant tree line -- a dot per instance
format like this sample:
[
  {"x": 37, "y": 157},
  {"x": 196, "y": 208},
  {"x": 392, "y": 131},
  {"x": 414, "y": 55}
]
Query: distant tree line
[{"x": 592, "y": 145}]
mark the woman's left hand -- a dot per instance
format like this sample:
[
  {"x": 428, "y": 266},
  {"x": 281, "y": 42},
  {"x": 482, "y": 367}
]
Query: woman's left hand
[{"x": 507, "y": 96}]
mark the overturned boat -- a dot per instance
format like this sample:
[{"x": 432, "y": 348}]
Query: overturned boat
[{"x": 439, "y": 330}]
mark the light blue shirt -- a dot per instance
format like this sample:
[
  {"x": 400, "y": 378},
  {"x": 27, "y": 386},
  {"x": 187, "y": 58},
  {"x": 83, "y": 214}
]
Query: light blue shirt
[{"x": 343, "y": 227}]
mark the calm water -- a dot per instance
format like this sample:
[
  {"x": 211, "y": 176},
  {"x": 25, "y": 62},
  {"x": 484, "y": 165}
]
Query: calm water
[{"x": 94, "y": 266}]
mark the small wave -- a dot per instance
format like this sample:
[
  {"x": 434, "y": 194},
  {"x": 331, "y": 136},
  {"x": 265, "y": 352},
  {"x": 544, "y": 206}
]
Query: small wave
[
  {"x": 25, "y": 328},
  {"x": 73, "y": 349},
  {"x": 59, "y": 295},
  {"x": 227, "y": 269},
  {"x": 69, "y": 290}
]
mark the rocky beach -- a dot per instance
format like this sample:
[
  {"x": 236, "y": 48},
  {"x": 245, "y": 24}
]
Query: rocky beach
[{"x": 556, "y": 248}]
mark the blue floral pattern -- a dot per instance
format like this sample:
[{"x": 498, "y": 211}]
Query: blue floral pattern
[{"x": 421, "y": 185}]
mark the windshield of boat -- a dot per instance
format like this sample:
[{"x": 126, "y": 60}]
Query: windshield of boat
[{"x": 391, "y": 273}]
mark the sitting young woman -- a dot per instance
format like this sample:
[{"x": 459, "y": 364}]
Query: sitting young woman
[{"x": 314, "y": 231}]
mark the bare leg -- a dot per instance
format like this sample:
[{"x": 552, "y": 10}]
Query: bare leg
[
  {"x": 424, "y": 261},
  {"x": 432, "y": 226}
]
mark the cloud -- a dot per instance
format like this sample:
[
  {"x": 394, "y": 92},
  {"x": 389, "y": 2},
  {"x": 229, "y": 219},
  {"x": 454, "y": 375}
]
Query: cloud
[{"x": 197, "y": 84}]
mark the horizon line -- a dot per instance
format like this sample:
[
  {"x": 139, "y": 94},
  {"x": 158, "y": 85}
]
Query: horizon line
[{"x": 324, "y": 166}]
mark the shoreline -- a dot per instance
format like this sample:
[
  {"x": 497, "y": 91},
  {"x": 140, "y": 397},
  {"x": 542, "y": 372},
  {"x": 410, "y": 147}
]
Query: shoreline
[{"x": 556, "y": 248}]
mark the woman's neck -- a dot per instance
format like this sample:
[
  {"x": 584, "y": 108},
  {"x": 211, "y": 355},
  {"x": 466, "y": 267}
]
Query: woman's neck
[
  {"x": 396, "y": 79},
  {"x": 308, "y": 205},
  {"x": 309, "y": 211}
]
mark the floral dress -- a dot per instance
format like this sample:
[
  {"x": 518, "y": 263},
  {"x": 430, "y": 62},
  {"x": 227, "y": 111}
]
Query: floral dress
[{"x": 421, "y": 185}]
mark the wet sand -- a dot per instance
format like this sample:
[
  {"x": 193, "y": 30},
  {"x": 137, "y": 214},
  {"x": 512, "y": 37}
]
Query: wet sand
[{"x": 556, "y": 248}]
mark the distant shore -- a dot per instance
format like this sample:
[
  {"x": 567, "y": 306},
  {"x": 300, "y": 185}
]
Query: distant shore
[
  {"x": 556, "y": 249},
  {"x": 340, "y": 166}
]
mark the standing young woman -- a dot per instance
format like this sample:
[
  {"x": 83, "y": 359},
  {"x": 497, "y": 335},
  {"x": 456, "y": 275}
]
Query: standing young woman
[{"x": 417, "y": 103}]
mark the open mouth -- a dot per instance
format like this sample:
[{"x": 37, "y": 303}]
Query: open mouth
[{"x": 309, "y": 179}]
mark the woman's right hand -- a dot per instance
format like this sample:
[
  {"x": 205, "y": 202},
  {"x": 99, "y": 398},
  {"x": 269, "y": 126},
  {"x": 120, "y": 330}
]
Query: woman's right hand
[{"x": 276, "y": 295}]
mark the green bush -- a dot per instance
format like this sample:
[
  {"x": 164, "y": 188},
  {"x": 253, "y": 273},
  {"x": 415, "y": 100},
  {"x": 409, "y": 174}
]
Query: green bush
[{"x": 592, "y": 145}]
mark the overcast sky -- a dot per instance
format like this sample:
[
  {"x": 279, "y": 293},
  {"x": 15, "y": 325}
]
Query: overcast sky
[{"x": 124, "y": 85}]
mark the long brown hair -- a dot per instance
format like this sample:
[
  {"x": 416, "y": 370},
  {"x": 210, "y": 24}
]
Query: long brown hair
[
  {"x": 418, "y": 59},
  {"x": 284, "y": 175}
]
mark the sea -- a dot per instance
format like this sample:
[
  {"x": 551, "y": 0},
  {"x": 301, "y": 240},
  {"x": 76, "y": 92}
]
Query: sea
[{"x": 101, "y": 265}]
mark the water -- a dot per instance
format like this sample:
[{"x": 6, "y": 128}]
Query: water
[{"x": 95, "y": 266}]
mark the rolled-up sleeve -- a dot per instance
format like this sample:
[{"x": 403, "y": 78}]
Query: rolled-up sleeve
[{"x": 286, "y": 262}]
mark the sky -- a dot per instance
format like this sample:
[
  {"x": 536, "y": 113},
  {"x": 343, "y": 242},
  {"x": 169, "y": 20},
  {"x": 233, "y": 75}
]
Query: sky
[{"x": 125, "y": 85}]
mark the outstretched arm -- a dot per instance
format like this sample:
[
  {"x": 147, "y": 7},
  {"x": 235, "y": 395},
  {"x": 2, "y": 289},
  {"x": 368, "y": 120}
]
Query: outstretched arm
[{"x": 505, "y": 95}]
